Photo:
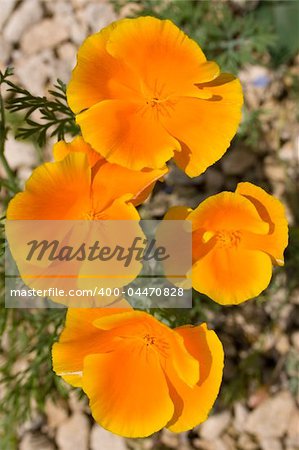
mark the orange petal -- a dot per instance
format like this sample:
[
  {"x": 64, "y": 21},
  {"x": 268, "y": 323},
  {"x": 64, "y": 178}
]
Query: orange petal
[
  {"x": 272, "y": 211},
  {"x": 232, "y": 275},
  {"x": 168, "y": 343},
  {"x": 227, "y": 211},
  {"x": 61, "y": 149},
  {"x": 192, "y": 404},
  {"x": 133, "y": 403},
  {"x": 112, "y": 181},
  {"x": 58, "y": 190},
  {"x": 78, "y": 339},
  {"x": 127, "y": 134},
  {"x": 120, "y": 209},
  {"x": 98, "y": 76},
  {"x": 166, "y": 59},
  {"x": 205, "y": 127},
  {"x": 177, "y": 213}
]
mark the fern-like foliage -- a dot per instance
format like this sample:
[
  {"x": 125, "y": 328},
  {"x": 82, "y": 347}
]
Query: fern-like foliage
[{"x": 55, "y": 117}]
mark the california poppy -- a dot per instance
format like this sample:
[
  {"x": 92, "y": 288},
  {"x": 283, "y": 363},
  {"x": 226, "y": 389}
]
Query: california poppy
[
  {"x": 144, "y": 92},
  {"x": 236, "y": 238},
  {"x": 139, "y": 374},
  {"x": 81, "y": 185}
]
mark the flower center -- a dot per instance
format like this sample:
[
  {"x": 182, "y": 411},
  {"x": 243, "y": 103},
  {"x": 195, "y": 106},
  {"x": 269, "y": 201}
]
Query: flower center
[
  {"x": 159, "y": 106},
  {"x": 149, "y": 340},
  {"x": 228, "y": 239},
  {"x": 156, "y": 343}
]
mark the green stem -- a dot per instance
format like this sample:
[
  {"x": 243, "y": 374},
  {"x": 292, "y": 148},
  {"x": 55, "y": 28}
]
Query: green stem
[{"x": 3, "y": 132}]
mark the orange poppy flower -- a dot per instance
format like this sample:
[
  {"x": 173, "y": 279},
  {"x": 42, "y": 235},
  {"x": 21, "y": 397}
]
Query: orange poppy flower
[
  {"x": 82, "y": 185},
  {"x": 236, "y": 237},
  {"x": 144, "y": 92},
  {"x": 139, "y": 374}
]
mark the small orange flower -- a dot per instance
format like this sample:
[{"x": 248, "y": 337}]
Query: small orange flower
[
  {"x": 236, "y": 238},
  {"x": 139, "y": 374},
  {"x": 82, "y": 185},
  {"x": 144, "y": 92}
]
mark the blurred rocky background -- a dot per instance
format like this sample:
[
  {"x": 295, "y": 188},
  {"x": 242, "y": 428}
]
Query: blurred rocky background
[{"x": 258, "y": 404}]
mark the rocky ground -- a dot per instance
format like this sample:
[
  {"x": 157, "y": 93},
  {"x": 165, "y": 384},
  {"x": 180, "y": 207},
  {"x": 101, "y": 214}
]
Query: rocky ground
[{"x": 39, "y": 39}]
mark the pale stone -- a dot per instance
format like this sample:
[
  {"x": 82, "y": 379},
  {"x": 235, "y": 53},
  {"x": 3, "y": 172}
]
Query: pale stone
[
  {"x": 288, "y": 152},
  {"x": 245, "y": 442},
  {"x": 240, "y": 416},
  {"x": 282, "y": 345},
  {"x": 78, "y": 30},
  {"x": 169, "y": 439},
  {"x": 64, "y": 11},
  {"x": 6, "y": 8},
  {"x": 28, "y": 13},
  {"x": 293, "y": 430},
  {"x": 59, "y": 7},
  {"x": 74, "y": 433},
  {"x": 66, "y": 62},
  {"x": 36, "y": 441},
  {"x": 19, "y": 153},
  {"x": 35, "y": 71},
  {"x": 24, "y": 173},
  {"x": 5, "y": 50},
  {"x": 129, "y": 9},
  {"x": 270, "y": 444},
  {"x": 97, "y": 15},
  {"x": 56, "y": 413},
  {"x": 77, "y": 404},
  {"x": 215, "y": 425},
  {"x": 271, "y": 417},
  {"x": 217, "y": 444},
  {"x": 46, "y": 34},
  {"x": 101, "y": 439}
]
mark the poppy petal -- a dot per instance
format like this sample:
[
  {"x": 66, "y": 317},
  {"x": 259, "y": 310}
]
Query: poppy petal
[
  {"x": 112, "y": 181},
  {"x": 272, "y": 211},
  {"x": 127, "y": 134},
  {"x": 177, "y": 213},
  {"x": 78, "y": 339},
  {"x": 192, "y": 404},
  {"x": 134, "y": 403},
  {"x": 205, "y": 127},
  {"x": 97, "y": 75},
  {"x": 185, "y": 365},
  {"x": 162, "y": 48},
  {"x": 61, "y": 149},
  {"x": 227, "y": 211},
  {"x": 58, "y": 190},
  {"x": 232, "y": 275}
]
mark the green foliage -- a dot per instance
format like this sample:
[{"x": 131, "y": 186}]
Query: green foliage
[
  {"x": 26, "y": 383},
  {"x": 250, "y": 130},
  {"x": 230, "y": 38},
  {"x": 10, "y": 183},
  {"x": 284, "y": 17},
  {"x": 56, "y": 119}
]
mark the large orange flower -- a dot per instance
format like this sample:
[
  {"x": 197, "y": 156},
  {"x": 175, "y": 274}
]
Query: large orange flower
[
  {"x": 236, "y": 238},
  {"x": 79, "y": 186},
  {"x": 144, "y": 92},
  {"x": 139, "y": 374},
  {"x": 82, "y": 185}
]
